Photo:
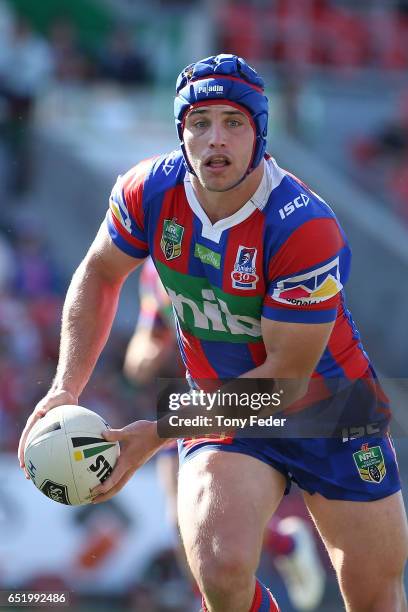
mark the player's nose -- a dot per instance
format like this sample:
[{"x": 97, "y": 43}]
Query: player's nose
[{"x": 217, "y": 135}]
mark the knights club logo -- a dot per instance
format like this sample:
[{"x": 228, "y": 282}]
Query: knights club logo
[
  {"x": 171, "y": 238},
  {"x": 244, "y": 274}
]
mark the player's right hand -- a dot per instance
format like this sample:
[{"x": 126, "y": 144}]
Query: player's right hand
[
  {"x": 139, "y": 441},
  {"x": 51, "y": 400}
]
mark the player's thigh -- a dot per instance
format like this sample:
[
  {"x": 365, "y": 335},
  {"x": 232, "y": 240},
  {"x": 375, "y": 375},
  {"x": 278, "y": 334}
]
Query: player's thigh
[
  {"x": 225, "y": 500},
  {"x": 367, "y": 538}
]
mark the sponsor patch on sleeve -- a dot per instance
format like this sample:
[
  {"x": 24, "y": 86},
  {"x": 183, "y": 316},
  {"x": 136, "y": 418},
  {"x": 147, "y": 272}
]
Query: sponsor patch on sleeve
[
  {"x": 119, "y": 209},
  {"x": 313, "y": 287}
]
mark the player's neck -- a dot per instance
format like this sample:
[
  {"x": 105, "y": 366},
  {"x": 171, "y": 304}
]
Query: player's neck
[{"x": 223, "y": 204}]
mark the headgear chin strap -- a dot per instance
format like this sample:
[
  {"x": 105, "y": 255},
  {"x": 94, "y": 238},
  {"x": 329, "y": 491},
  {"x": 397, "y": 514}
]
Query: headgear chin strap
[{"x": 225, "y": 78}]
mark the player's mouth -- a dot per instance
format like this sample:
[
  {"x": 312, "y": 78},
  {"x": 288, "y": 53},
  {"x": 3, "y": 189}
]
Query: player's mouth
[{"x": 217, "y": 163}]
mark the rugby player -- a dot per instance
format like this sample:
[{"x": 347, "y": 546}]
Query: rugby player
[
  {"x": 150, "y": 354},
  {"x": 254, "y": 263}
]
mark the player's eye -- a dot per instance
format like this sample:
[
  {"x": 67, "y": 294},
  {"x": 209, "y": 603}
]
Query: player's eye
[
  {"x": 234, "y": 123},
  {"x": 201, "y": 124}
]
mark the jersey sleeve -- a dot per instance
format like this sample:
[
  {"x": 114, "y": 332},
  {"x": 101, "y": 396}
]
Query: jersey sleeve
[
  {"x": 125, "y": 217},
  {"x": 307, "y": 274}
]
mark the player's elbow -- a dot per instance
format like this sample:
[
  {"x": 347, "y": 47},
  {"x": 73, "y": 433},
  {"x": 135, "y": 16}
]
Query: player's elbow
[{"x": 96, "y": 268}]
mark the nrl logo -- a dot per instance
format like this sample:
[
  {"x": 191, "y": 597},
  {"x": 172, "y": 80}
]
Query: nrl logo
[
  {"x": 171, "y": 238},
  {"x": 244, "y": 274},
  {"x": 370, "y": 463}
]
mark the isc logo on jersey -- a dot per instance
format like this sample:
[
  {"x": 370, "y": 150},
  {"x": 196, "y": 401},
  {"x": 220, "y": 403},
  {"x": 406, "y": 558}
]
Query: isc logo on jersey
[
  {"x": 301, "y": 201},
  {"x": 312, "y": 287}
]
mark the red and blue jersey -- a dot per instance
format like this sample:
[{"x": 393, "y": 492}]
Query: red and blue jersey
[
  {"x": 155, "y": 306},
  {"x": 282, "y": 256}
]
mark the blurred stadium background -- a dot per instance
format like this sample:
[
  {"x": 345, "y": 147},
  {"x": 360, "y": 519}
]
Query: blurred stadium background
[{"x": 86, "y": 90}]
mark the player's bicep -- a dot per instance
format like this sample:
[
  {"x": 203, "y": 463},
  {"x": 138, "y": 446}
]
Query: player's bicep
[
  {"x": 125, "y": 218},
  {"x": 109, "y": 261},
  {"x": 294, "y": 349}
]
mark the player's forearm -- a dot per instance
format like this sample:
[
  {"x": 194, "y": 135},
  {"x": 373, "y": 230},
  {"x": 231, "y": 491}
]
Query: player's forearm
[
  {"x": 89, "y": 309},
  {"x": 290, "y": 383}
]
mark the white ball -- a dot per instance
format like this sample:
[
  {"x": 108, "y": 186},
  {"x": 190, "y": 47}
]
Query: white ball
[{"x": 66, "y": 455}]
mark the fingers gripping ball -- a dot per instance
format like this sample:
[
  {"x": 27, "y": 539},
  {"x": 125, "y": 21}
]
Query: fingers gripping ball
[{"x": 66, "y": 455}]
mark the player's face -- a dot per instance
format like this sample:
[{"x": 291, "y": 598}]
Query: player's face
[{"x": 219, "y": 141}]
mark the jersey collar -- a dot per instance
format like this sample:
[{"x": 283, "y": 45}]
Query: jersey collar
[{"x": 258, "y": 201}]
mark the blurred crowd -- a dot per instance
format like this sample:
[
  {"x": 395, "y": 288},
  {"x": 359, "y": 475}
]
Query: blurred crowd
[
  {"x": 31, "y": 62},
  {"x": 31, "y": 288},
  {"x": 318, "y": 38},
  {"x": 381, "y": 160},
  {"x": 29, "y": 59},
  {"x": 318, "y": 33},
  {"x": 31, "y": 297},
  {"x": 30, "y": 306},
  {"x": 297, "y": 40}
]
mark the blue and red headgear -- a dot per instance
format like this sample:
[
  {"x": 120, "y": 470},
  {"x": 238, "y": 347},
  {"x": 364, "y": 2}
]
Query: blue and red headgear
[{"x": 229, "y": 80}]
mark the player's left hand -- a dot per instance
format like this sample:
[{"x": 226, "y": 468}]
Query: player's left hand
[{"x": 138, "y": 443}]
